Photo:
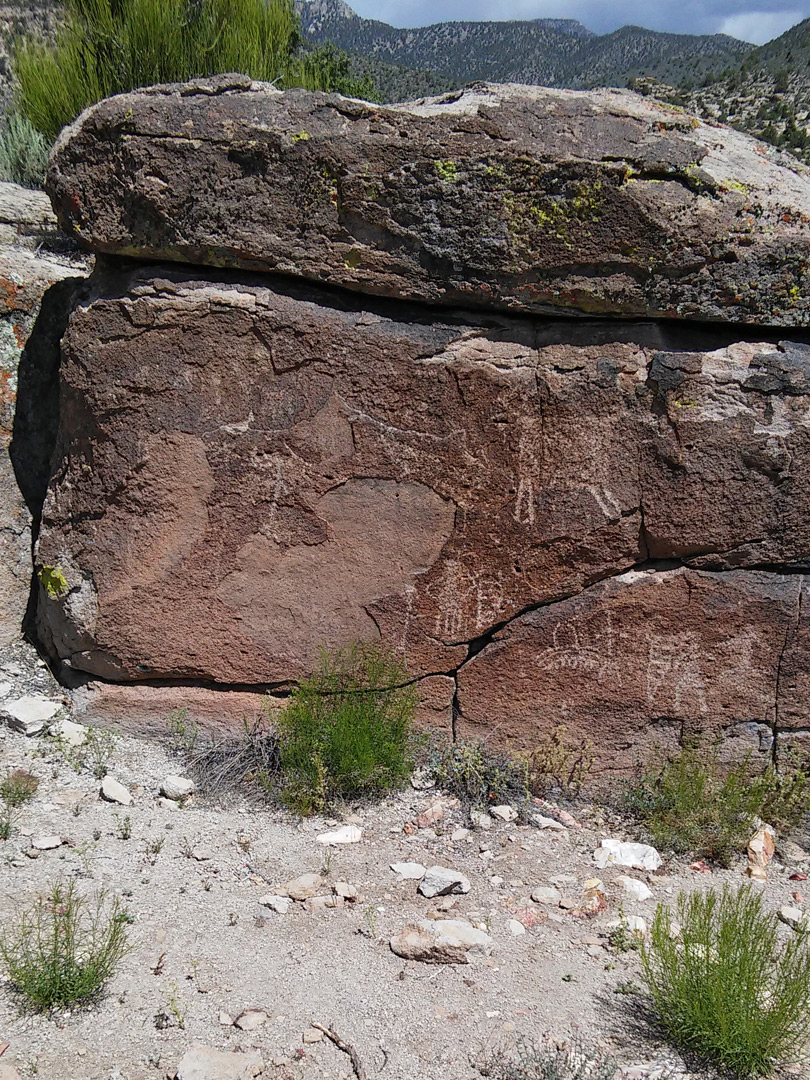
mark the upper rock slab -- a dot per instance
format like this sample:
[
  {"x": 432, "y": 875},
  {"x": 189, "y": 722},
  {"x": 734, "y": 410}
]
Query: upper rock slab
[{"x": 509, "y": 197}]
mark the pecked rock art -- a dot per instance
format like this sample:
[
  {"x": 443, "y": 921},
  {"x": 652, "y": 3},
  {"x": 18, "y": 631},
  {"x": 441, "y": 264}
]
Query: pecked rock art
[{"x": 600, "y": 522}]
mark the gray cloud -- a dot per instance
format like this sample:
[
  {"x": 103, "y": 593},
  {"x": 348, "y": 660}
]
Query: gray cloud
[{"x": 756, "y": 21}]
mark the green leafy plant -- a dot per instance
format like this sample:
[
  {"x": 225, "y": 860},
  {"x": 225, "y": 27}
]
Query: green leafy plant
[
  {"x": 723, "y": 986},
  {"x": 481, "y": 777},
  {"x": 690, "y": 805},
  {"x": 345, "y": 733},
  {"x": 183, "y": 732},
  {"x": 23, "y": 155},
  {"x": 560, "y": 763},
  {"x": 106, "y": 47},
  {"x": 16, "y": 789},
  {"x": 64, "y": 947},
  {"x": 94, "y": 754},
  {"x": 546, "y": 1060}
]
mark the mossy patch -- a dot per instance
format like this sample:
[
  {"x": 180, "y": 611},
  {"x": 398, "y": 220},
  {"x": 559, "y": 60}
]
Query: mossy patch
[{"x": 53, "y": 581}]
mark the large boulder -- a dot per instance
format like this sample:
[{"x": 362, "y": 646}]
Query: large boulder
[
  {"x": 508, "y": 197},
  {"x": 246, "y": 473}
]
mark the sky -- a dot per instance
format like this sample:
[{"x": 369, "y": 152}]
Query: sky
[{"x": 756, "y": 21}]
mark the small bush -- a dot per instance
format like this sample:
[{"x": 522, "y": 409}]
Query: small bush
[
  {"x": 64, "y": 947},
  {"x": 346, "y": 731},
  {"x": 93, "y": 755},
  {"x": 723, "y": 987},
  {"x": 16, "y": 789},
  {"x": 249, "y": 762},
  {"x": 545, "y": 1061},
  {"x": 560, "y": 764},
  {"x": 23, "y": 153},
  {"x": 481, "y": 777},
  {"x": 689, "y": 806}
]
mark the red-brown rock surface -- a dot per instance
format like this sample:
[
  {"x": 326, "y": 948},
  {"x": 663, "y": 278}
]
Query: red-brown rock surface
[{"x": 499, "y": 197}]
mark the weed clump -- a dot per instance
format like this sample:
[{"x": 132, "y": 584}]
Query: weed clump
[
  {"x": 64, "y": 947},
  {"x": 481, "y": 777},
  {"x": 722, "y": 985},
  {"x": 16, "y": 789},
  {"x": 346, "y": 731},
  {"x": 690, "y": 806},
  {"x": 546, "y": 1061}
]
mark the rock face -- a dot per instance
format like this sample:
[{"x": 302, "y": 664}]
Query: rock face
[
  {"x": 29, "y": 267},
  {"x": 597, "y": 522},
  {"x": 512, "y": 197}
]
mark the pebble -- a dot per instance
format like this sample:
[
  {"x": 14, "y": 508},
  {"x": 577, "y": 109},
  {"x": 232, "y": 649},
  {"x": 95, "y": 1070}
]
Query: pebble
[
  {"x": 439, "y": 880},
  {"x": 5, "y": 689},
  {"x": 113, "y": 791},
  {"x": 443, "y": 941},
  {"x": 504, "y": 813},
  {"x": 303, "y": 887},
  {"x": 546, "y": 894},
  {"x": 46, "y": 842},
  {"x": 349, "y": 834},
  {"x": 279, "y": 904},
  {"x": 517, "y": 928},
  {"x": 166, "y": 804},
  {"x": 177, "y": 787},
  {"x": 68, "y": 732},
  {"x": 410, "y": 871},
  {"x": 460, "y": 834},
  {"x": 344, "y": 889},
  {"x": 480, "y": 820},
  {"x": 30, "y": 714},
  {"x": 430, "y": 816},
  {"x": 635, "y": 889},
  {"x": 548, "y": 823},
  {"x": 205, "y": 1063},
  {"x": 793, "y": 916},
  {"x": 312, "y": 1035},
  {"x": 250, "y": 1020}
]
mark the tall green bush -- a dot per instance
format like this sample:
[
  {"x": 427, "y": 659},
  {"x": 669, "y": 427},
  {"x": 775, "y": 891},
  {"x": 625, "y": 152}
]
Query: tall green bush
[
  {"x": 107, "y": 47},
  {"x": 23, "y": 152},
  {"x": 724, "y": 986},
  {"x": 346, "y": 731}
]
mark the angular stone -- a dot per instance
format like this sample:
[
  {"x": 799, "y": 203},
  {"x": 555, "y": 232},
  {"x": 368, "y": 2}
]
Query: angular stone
[
  {"x": 279, "y": 904},
  {"x": 409, "y": 871},
  {"x": 440, "y": 880},
  {"x": 504, "y": 813},
  {"x": 250, "y": 1020},
  {"x": 204, "y": 1063},
  {"x": 543, "y": 822},
  {"x": 635, "y": 889},
  {"x": 546, "y": 894},
  {"x": 621, "y": 853},
  {"x": 113, "y": 791},
  {"x": 30, "y": 714},
  {"x": 441, "y": 941},
  {"x": 347, "y": 834},
  {"x": 68, "y": 732},
  {"x": 512, "y": 197},
  {"x": 46, "y": 842}
]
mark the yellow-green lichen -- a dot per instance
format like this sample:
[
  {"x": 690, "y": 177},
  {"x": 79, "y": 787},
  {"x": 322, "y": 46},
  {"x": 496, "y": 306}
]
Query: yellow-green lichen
[
  {"x": 302, "y": 136},
  {"x": 53, "y": 581},
  {"x": 446, "y": 171}
]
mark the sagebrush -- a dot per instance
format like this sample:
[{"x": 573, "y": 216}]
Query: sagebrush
[
  {"x": 106, "y": 47},
  {"x": 346, "y": 732},
  {"x": 691, "y": 805},
  {"x": 64, "y": 947},
  {"x": 545, "y": 1060},
  {"x": 23, "y": 152},
  {"x": 724, "y": 985},
  {"x": 16, "y": 789}
]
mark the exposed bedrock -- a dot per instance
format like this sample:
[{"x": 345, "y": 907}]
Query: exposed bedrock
[
  {"x": 538, "y": 200},
  {"x": 245, "y": 473}
]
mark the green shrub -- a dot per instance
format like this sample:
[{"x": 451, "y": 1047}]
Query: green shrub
[
  {"x": 560, "y": 764},
  {"x": 689, "y": 806},
  {"x": 93, "y": 755},
  {"x": 23, "y": 152},
  {"x": 106, "y": 47},
  {"x": 346, "y": 731},
  {"x": 64, "y": 947},
  {"x": 547, "y": 1061},
  {"x": 723, "y": 987},
  {"x": 16, "y": 788},
  {"x": 481, "y": 777}
]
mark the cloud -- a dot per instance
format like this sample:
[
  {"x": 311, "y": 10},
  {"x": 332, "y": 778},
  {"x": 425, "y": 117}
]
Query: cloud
[
  {"x": 760, "y": 26},
  {"x": 756, "y": 21}
]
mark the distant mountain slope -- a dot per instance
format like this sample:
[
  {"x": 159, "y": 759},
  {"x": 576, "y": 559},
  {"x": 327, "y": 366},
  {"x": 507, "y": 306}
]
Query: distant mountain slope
[{"x": 555, "y": 52}]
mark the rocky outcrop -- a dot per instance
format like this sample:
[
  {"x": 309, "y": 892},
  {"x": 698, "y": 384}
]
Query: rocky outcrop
[
  {"x": 516, "y": 197},
  {"x": 29, "y": 266},
  {"x": 597, "y": 522}
]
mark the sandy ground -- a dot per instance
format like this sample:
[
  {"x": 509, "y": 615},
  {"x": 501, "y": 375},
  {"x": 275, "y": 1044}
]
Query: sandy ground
[{"x": 204, "y": 950}]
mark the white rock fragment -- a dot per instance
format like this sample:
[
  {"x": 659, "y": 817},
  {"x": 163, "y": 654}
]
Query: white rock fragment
[
  {"x": 504, "y": 813},
  {"x": 113, "y": 791},
  {"x": 440, "y": 880},
  {"x": 458, "y": 835},
  {"x": 410, "y": 871},
  {"x": 167, "y": 804},
  {"x": 635, "y": 889},
  {"x": 345, "y": 890},
  {"x": 348, "y": 834},
  {"x": 177, "y": 787},
  {"x": 279, "y": 904},
  {"x": 46, "y": 842},
  {"x": 312, "y": 1035},
  {"x": 516, "y": 928},
  {"x": 303, "y": 887},
  {"x": 30, "y": 714},
  {"x": 480, "y": 820},
  {"x": 441, "y": 941},
  {"x": 548, "y": 823},
  {"x": 546, "y": 894},
  {"x": 68, "y": 732},
  {"x": 5, "y": 689},
  {"x": 621, "y": 853},
  {"x": 205, "y": 1063},
  {"x": 250, "y": 1020},
  {"x": 793, "y": 916}
]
